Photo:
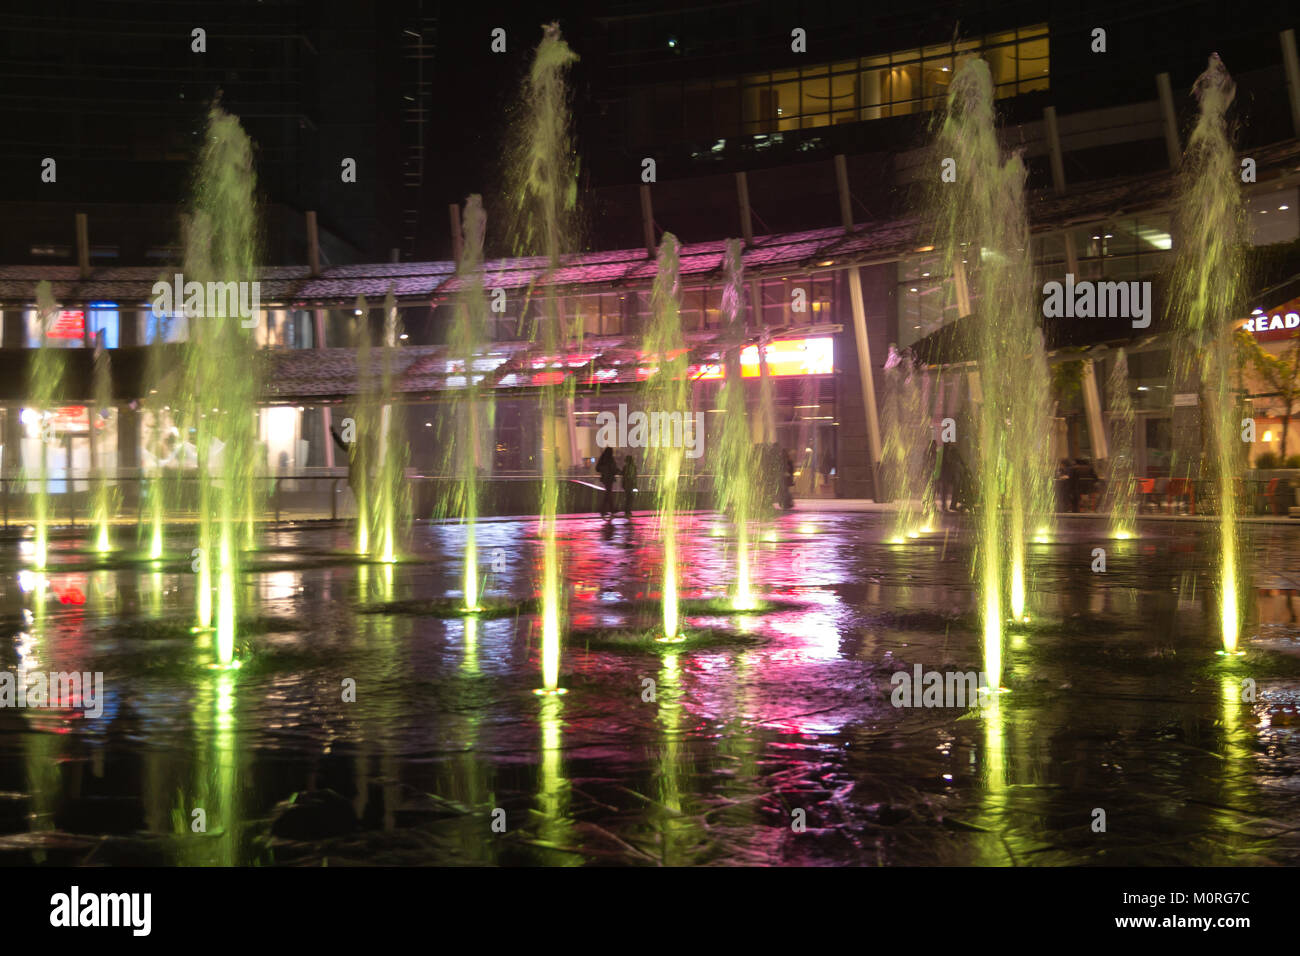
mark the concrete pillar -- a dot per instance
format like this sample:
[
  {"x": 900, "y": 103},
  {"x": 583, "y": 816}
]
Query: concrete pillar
[
  {"x": 1092, "y": 409},
  {"x": 457, "y": 238},
  {"x": 962, "y": 289},
  {"x": 1292, "y": 66},
  {"x": 865, "y": 373},
  {"x": 1054, "y": 148},
  {"x": 327, "y": 415},
  {"x": 83, "y": 245},
  {"x": 1058, "y": 182},
  {"x": 313, "y": 243},
  {"x": 12, "y": 464},
  {"x": 766, "y": 390},
  {"x": 13, "y": 331},
  {"x": 1091, "y": 396},
  {"x": 842, "y": 187},
  {"x": 648, "y": 220},
  {"x": 766, "y": 417},
  {"x": 1172, "y": 146},
  {"x": 742, "y": 197},
  {"x": 572, "y": 423}
]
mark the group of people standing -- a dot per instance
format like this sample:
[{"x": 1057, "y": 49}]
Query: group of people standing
[
  {"x": 950, "y": 477},
  {"x": 954, "y": 487},
  {"x": 1079, "y": 478},
  {"x": 607, "y": 468},
  {"x": 775, "y": 468},
  {"x": 778, "y": 476}
]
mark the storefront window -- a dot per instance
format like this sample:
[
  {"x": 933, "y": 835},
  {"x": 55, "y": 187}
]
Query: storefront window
[{"x": 922, "y": 295}]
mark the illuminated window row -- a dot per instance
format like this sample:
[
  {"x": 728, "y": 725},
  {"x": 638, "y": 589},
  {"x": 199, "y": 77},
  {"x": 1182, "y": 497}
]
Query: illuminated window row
[{"x": 848, "y": 91}]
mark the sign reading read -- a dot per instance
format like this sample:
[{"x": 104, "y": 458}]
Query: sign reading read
[{"x": 1280, "y": 323}]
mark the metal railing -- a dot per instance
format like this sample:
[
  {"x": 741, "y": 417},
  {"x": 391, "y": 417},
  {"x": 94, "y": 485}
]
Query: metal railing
[{"x": 320, "y": 494}]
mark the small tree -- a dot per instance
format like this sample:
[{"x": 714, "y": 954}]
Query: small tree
[
  {"x": 1280, "y": 373},
  {"x": 1067, "y": 390}
]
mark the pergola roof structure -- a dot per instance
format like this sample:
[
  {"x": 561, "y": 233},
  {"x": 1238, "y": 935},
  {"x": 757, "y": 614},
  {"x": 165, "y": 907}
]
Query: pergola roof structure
[
  {"x": 332, "y": 374},
  {"x": 772, "y": 255},
  {"x": 429, "y": 372}
]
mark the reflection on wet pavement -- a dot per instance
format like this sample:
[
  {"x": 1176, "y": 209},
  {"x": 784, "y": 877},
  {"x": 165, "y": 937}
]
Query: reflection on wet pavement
[{"x": 763, "y": 738}]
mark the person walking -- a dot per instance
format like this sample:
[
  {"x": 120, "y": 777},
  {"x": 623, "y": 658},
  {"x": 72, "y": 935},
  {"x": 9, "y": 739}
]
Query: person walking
[
  {"x": 828, "y": 465},
  {"x": 947, "y": 477},
  {"x": 787, "y": 465},
  {"x": 607, "y": 468},
  {"x": 355, "y": 463},
  {"x": 1085, "y": 483},
  {"x": 629, "y": 486}
]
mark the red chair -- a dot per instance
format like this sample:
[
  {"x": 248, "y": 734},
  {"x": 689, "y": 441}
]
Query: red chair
[
  {"x": 1273, "y": 495},
  {"x": 1182, "y": 488},
  {"x": 1146, "y": 488},
  {"x": 1160, "y": 496}
]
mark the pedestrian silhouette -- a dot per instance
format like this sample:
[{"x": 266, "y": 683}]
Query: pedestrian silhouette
[
  {"x": 607, "y": 468},
  {"x": 629, "y": 485}
]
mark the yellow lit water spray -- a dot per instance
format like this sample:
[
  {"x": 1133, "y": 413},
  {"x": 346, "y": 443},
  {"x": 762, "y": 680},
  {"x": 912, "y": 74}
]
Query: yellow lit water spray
[
  {"x": 667, "y": 398},
  {"x": 1206, "y": 297},
  {"x": 544, "y": 191}
]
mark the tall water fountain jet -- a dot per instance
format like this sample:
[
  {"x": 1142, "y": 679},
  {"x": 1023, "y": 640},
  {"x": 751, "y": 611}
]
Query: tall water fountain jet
[
  {"x": 736, "y": 465},
  {"x": 391, "y": 512},
  {"x": 1034, "y": 414},
  {"x": 1120, "y": 500},
  {"x": 103, "y": 505},
  {"x": 221, "y": 379},
  {"x": 44, "y": 377},
  {"x": 471, "y": 411},
  {"x": 156, "y": 404},
  {"x": 906, "y": 442},
  {"x": 983, "y": 231},
  {"x": 1206, "y": 296},
  {"x": 667, "y": 396},
  {"x": 545, "y": 194},
  {"x": 364, "y": 425}
]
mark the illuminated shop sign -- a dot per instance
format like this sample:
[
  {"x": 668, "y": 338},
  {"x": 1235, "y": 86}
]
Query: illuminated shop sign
[
  {"x": 1279, "y": 323},
  {"x": 70, "y": 324},
  {"x": 1273, "y": 323},
  {"x": 785, "y": 358}
]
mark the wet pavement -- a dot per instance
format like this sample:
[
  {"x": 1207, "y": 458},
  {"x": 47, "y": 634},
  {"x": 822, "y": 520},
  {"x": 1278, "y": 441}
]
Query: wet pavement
[{"x": 764, "y": 738}]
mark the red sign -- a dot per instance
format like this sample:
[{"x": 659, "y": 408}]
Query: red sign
[
  {"x": 1276, "y": 324},
  {"x": 68, "y": 325}
]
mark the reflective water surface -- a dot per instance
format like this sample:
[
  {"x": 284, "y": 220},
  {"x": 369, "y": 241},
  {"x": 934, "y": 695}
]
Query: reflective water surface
[{"x": 699, "y": 752}]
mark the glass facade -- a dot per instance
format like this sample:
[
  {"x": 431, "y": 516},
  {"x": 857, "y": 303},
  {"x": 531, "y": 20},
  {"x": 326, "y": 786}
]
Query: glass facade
[
  {"x": 1133, "y": 248},
  {"x": 847, "y": 91},
  {"x": 295, "y": 440},
  {"x": 1124, "y": 249}
]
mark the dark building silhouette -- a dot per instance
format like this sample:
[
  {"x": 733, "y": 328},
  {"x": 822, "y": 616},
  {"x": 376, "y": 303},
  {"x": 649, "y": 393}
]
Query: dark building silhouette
[{"x": 116, "y": 94}]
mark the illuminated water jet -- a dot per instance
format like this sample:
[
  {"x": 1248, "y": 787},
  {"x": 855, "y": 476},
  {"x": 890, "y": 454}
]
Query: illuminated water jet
[
  {"x": 667, "y": 392},
  {"x": 1206, "y": 296},
  {"x": 984, "y": 210},
  {"x": 736, "y": 462},
  {"x": 45, "y": 376},
  {"x": 390, "y": 484},
  {"x": 471, "y": 415},
  {"x": 1120, "y": 500},
  {"x": 104, "y": 503},
  {"x": 544, "y": 192},
  {"x": 905, "y": 456},
  {"x": 216, "y": 406},
  {"x": 361, "y": 444}
]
